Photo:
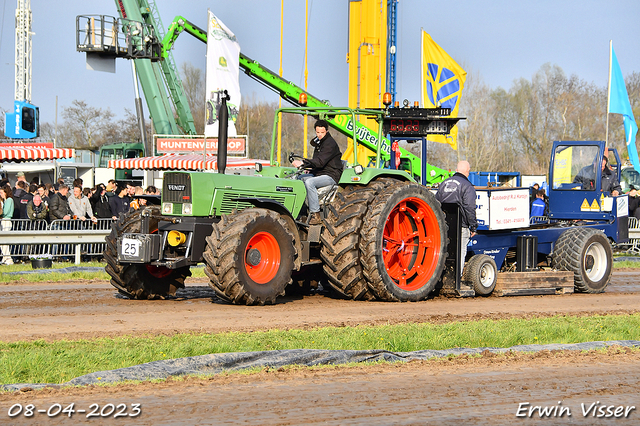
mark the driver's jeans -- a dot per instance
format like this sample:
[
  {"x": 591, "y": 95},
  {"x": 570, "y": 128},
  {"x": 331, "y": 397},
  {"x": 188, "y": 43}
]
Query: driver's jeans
[{"x": 313, "y": 183}]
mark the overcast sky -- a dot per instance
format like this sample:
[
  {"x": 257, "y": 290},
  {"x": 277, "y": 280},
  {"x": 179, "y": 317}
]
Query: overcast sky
[{"x": 500, "y": 40}]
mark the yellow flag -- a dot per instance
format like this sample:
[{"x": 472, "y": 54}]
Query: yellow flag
[{"x": 442, "y": 83}]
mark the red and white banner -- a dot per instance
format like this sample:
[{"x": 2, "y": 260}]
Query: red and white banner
[
  {"x": 34, "y": 153},
  {"x": 27, "y": 145},
  {"x": 222, "y": 73},
  {"x": 182, "y": 162},
  {"x": 235, "y": 146}
]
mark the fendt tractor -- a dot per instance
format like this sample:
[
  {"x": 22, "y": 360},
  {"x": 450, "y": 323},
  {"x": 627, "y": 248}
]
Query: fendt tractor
[{"x": 383, "y": 236}]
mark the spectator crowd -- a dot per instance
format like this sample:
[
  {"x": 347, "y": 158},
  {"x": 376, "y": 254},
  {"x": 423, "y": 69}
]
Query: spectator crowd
[{"x": 52, "y": 202}]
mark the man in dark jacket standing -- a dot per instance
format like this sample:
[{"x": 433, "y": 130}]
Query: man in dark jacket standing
[
  {"x": 25, "y": 199},
  {"x": 119, "y": 203},
  {"x": 458, "y": 190},
  {"x": 100, "y": 202},
  {"x": 325, "y": 168},
  {"x": 18, "y": 193},
  {"x": 59, "y": 204},
  {"x": 59, "y": 209}
]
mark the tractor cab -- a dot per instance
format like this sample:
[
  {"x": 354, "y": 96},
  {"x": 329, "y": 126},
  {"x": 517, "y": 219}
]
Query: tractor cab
[{"x": 581, "y": 181}]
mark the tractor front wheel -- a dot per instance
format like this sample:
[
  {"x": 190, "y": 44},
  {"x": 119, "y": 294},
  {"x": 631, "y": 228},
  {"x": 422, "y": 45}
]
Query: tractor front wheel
[{"x": 250, "y": 256}]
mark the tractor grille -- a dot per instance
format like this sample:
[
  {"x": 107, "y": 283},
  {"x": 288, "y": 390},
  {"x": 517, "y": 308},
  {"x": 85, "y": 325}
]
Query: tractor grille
[
  {"x": 175, "y": 186},
  {"x": 229, "y": 203}
]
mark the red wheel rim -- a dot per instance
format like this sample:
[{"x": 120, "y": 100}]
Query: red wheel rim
[
  {"x": 158, "y": 271},
  {"x": 411, "y": 246},
  {"x": 263, "y": 268}
]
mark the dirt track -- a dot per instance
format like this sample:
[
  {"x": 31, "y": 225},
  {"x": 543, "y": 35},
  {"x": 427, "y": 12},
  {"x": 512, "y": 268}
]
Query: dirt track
[
  {"x": 94, "y": 309},
  {"x": 485, "y": 391}
]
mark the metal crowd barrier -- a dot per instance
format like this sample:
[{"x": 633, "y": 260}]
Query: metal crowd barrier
[
  {"x": 58, "y": 239},
  {"x": 633, "y": 245}
]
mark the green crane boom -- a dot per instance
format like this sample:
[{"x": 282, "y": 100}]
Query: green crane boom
[{"x": 156, "y": 76}]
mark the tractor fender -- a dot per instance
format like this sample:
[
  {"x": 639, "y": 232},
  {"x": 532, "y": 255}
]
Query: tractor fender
[{"x": 266, "y": 203}]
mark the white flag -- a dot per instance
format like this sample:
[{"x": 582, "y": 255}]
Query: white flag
[{"x": 223, "y": 68}]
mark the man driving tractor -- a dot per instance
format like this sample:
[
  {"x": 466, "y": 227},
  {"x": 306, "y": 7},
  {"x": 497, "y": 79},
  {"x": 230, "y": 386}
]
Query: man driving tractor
[{"x": 324, "y": 168}]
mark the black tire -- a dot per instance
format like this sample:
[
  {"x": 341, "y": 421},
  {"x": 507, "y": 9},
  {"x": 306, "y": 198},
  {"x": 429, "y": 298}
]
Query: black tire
[
  {"x": 140, "y": 281},
  {"x": 341, "y": 238},
  {"x": 481, "y": 272},
  {"x": 241, "y": 253},
  {"x": 424, "y": 254},
  {"x": 587, "y": 253}
]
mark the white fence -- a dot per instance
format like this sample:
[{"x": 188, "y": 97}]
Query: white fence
[{"x": 60, "y": 238}]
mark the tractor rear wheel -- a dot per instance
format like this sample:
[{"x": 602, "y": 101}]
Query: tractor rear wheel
[
  {"x": 587, "y": 253},
  {"x": 341, "y": 238},
  {"x": 481, "y": 272},
  {"x": 140, "y": 281},
  {"x": 250, "y": 256},
  {"x": 404, "y": 243}
]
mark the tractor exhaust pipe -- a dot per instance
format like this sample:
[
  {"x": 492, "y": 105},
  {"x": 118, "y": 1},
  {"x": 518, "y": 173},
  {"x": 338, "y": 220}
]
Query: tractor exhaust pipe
[{"x": 223, "y": 125}]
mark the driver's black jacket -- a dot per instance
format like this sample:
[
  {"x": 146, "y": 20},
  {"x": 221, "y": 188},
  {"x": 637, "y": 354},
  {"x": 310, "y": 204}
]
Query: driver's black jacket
[{"x": 326, "y": 158}]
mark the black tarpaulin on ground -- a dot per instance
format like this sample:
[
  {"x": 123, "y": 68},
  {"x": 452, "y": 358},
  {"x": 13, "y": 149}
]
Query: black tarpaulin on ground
[
  {"x": 217, "y": 363},
  {"x": 67, "y": 270}
]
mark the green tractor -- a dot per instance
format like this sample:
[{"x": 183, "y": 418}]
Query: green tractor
[{"x": 382, "y": 236}]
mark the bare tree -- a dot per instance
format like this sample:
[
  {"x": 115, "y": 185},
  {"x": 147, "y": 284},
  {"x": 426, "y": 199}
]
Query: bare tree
[
  {"x": 125, "y": 129},
  {"x": 194, "y": 89},
  {"x": 479, "y": 138},
  {"x": 86, "y": 126}
]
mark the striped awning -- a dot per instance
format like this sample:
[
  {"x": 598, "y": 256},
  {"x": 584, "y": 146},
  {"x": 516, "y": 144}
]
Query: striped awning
[
  {"x": 181, "y": 162},
  {"x": 33, "y": 153}
]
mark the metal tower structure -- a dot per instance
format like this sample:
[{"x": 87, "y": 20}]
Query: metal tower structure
[
  {"x": 392, "y": 48},
  {"x": 23, "y": 51},
  {"x": 23, "y": 122}
]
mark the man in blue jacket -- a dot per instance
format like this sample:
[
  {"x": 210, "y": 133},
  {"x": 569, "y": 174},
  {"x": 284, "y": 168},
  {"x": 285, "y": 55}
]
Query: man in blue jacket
[
  {"x": 539, "y": 207},
  {"x": 458, "y": 190}
]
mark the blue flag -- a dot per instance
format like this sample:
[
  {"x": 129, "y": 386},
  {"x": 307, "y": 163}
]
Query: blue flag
[{"x": 619, "y": 104}]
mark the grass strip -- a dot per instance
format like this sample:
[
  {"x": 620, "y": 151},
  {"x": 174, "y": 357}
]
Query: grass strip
[
  {"x": 626, "y": 264},
  {"x": 55, "y": 277},
  {"x": 60, "y": 361}
]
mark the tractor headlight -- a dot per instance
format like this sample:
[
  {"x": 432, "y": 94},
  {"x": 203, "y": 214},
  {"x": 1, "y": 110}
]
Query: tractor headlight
[
  {"x": 167, "y": 208},
  {"x": 186, "y": 208}
]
